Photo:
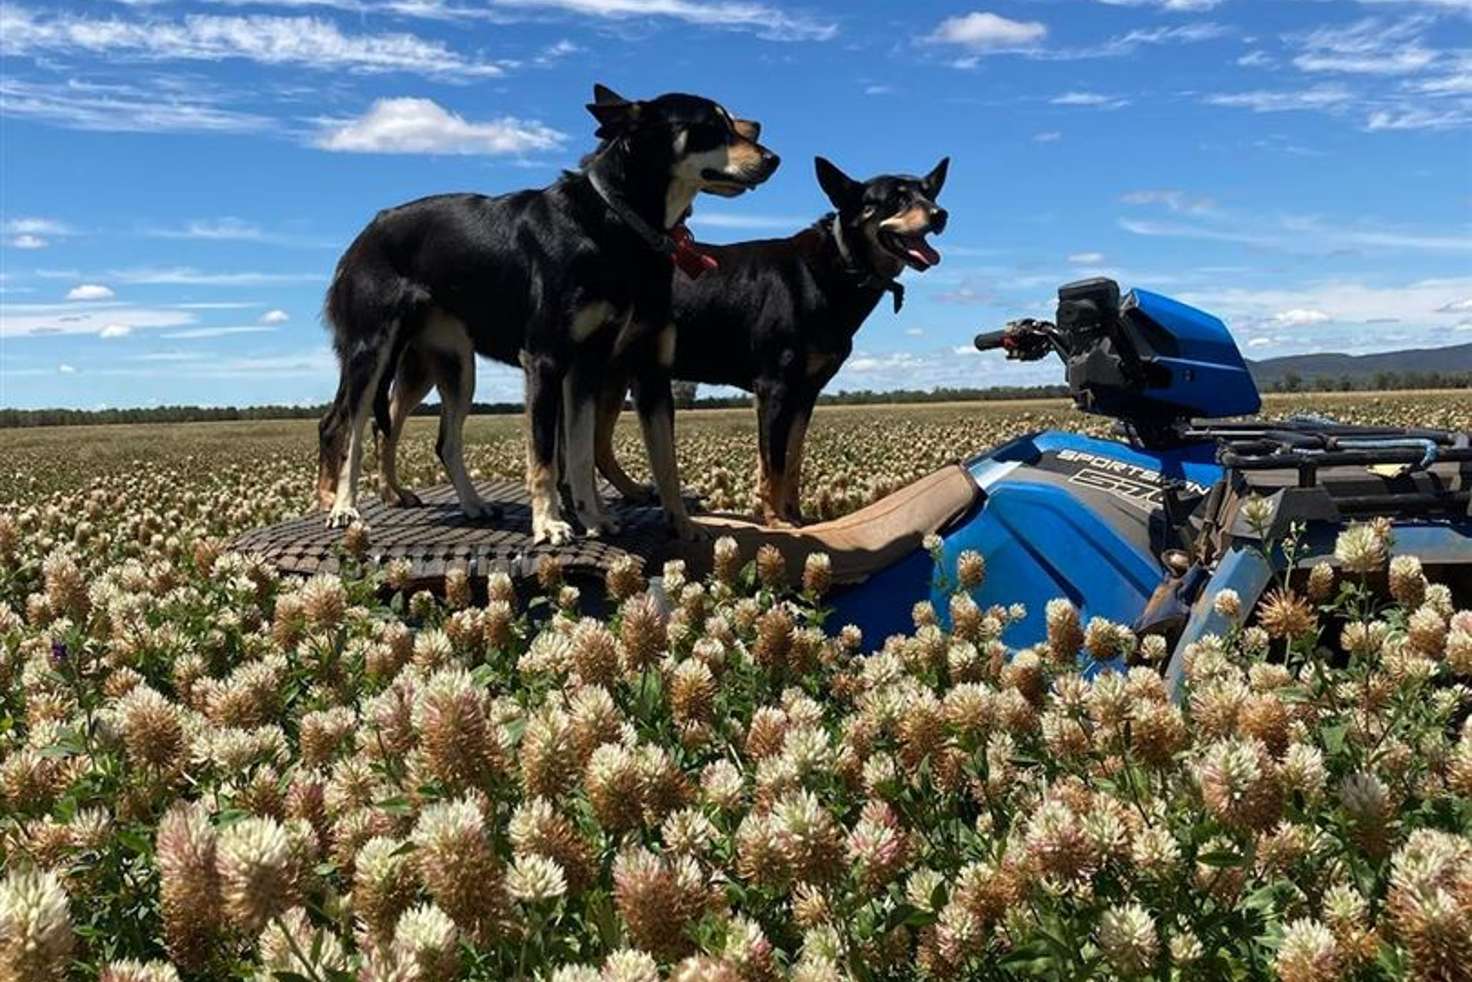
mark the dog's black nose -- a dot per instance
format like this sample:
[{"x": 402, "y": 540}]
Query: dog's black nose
[
  {"x": 770, "y": 160},
  {"x": 938, "y": 219}
]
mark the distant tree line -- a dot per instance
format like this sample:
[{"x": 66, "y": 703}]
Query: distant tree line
[
  {"x": 1291, "y": 381},
  {"x": 686, "y": 397}
]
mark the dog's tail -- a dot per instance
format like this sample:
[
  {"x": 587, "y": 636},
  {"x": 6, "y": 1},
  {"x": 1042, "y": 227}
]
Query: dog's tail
[
  {"x": 372, "y": 311},
  {"x": 382, "y": 422}
]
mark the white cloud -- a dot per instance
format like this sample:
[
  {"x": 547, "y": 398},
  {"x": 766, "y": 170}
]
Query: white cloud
[
  {"x": 1462, "y": 5},
  {"x": 878, "y": 89},
  {"x": 306, "y": 41},
  {"x": 1177, "y": 201},
  {"x": 555, "y": 52},
  {"x": 36, "y": 226},
  {"x": 1086, "y": 258},
  {"x": 409, "y": 125},
  {"x": 1417, "y": 118},
  {"x": 65, "y": 369},
  {"x": 1458, "y": 83},
  {"x": 196, "y": 333},
  {"x": 90, "y": 291},
  {"x": 170, "y": 356},
  {"x": 28, "y": 241},
  {"x": 1366, "y": 47},
  {"x": 1318, "y": 97},
  {"x": 1261, "y": 342},
  {"x": 1256, "y": 59},
  {"x": 275, "y": 316},
  {"x": 1339, "y": 307},
  {"x": 1047, "y": 136},
  {"x": 766, "y": 21},
  {"x": 983, "y": 31},
  {"x": 1094, "y": 100},
  {"x": 1300, "y": 317},
  {"x": 189, "y": 276},
  {"x": 724, "y": 219},
  {"x": 915, "y": 332},
  {"x": 1299, "y": 234},
  {"x": 1179, "y": 5},
  {"x": 123, "y": 108},
  {"x": 220, "y": 229},
  {"x": 1462, "y": 306},
  {"x": 986, "y": 34},
  {"x": 114, "y": 331},
  {"x": 41, "y": 319}
]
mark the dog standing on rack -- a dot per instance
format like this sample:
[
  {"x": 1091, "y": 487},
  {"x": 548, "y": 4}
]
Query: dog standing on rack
[
  {"x": 777, "y": 317},
  {"x": 571, "y": 281}
]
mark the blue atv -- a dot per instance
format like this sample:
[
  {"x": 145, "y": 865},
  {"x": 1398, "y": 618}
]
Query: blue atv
[
  {"x": 1143, "y": 530},
  {"x": 1146, "y": 529}
]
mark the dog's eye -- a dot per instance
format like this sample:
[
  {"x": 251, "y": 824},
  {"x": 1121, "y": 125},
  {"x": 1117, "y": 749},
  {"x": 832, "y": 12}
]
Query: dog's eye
[{"x": 705, "y": 135}]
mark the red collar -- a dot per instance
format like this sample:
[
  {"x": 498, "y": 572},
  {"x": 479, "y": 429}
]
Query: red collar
[{"x": 689, "y": 259}]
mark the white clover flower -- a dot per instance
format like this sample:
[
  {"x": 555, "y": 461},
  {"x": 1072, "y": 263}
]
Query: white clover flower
[
  {"x": 535, "y": 879},
  {"x": 36, "y": 936}
]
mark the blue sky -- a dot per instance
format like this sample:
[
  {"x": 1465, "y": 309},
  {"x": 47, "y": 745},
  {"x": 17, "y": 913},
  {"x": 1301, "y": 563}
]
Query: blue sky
[{"x": 177, "y": 177}]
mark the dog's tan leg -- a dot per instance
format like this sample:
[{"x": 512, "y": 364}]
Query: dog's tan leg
[
  {"x": 332, "y": 445},
  {"x": 792, "y": 484},
  {"x": 773, "y": 431},
  {"x": 447, "y": 342},
  {"x": 773, "y": 494},
  {"x": 363, "y": 383},
  {"x": 411, "y": 384},
  {"x": 657, "y": 419},
  {"x": 581, "y": 390},
  {"x": 543, "y": 407},
  {"x": 610, "y": 404}
]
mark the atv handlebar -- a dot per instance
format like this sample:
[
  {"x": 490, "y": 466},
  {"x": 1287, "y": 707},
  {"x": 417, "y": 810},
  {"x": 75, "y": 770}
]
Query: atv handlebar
[
  {"x": 988, "y": 340},
  {"x": 1023, "y": 340}
]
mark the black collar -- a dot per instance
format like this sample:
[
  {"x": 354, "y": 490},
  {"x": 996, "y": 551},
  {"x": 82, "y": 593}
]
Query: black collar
[
  {"x": 661, "y": 242},
  {"x": 867, "y": 278}
]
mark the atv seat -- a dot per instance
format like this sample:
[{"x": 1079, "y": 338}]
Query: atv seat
[{"x": 859, "y": 544}]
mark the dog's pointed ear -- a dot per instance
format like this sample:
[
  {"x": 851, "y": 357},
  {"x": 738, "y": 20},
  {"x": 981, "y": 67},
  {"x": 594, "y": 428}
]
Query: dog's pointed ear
[
  {"x": 614, "y": 113},
  {"x": 841, "y": 189},
  {"x": 936, "y": 179}
]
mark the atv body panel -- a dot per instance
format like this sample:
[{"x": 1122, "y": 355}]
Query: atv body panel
[
  {"x": 1197, "y": 369},
  {"x": 1061, "y": 515}
]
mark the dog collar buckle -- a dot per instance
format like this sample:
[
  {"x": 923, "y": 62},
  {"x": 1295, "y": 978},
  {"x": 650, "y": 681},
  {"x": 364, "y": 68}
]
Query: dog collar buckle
[
  {"x": 690, "y": 260},
  {"x": 677, "y": 243}
]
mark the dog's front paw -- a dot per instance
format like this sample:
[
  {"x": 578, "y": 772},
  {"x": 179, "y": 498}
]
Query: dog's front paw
[
  {"x": 602, "y": 526},
  {"x": 401, "y": 499},
  {"x": 342, "y": 517},
  {"x": 479, "y": 510},
  {"x": 552, "y": 532},
  {"x": 595, "y": 521}
]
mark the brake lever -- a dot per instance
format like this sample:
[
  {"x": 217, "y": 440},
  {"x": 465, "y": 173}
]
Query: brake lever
[{"x": 1027, "y": 339}]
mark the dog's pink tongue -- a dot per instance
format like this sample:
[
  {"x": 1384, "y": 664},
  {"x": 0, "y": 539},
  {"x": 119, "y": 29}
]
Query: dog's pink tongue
[{"x": 921, "y": 251}]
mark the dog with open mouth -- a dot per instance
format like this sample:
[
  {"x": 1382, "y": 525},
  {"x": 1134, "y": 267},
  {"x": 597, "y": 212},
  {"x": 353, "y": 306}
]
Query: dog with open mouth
[
  {"x": 777, "y": 317},
  {"x": 572, "y": 282}
]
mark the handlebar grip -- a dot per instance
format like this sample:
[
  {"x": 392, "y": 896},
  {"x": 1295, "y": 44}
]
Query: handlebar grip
[{"x": 988, "y": 340}]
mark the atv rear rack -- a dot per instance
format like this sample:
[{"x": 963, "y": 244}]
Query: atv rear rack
[{"x": 1316, "y": 470}]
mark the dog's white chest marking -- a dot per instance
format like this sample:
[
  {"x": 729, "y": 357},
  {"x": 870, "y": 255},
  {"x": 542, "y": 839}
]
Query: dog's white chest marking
[{"x": 590, "y": 318}]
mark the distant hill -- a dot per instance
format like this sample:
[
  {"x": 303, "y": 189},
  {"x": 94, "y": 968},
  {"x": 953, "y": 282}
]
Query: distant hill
[{"x": 1362, "y": 370}]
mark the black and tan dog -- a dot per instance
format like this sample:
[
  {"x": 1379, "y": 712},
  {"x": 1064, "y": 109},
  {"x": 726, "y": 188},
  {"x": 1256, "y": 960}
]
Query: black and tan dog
[
  {"x": 571, "y": 281},
  {"x": 778, "y": 316}
]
